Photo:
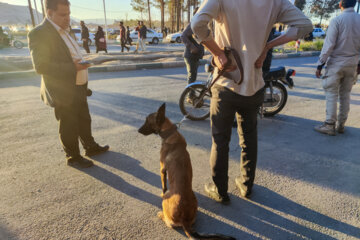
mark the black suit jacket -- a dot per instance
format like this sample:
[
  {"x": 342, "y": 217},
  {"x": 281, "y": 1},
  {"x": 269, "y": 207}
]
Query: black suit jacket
[{"x": 52, "y": 59}]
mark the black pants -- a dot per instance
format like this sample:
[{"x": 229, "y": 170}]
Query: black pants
[
  {"x": 224, "y": 105},
  {"x": 75, "y": 123},
  {"x": 86, "y": 46},
  {"x": 123, "y": 42}
]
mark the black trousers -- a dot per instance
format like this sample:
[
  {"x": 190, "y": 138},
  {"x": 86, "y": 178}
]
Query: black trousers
[
  {"x": 225, "y": 104},
  {"x": 86, "y": 46},
  {"x": 75, "y": 123},
  {"x": 123, "y": 42}
]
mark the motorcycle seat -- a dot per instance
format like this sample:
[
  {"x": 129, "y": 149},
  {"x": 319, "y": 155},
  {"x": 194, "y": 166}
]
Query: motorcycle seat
[{"x": 276, "y": 73}]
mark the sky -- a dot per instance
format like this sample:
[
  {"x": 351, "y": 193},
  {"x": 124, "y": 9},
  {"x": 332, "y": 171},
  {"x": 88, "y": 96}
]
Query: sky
[{"x": 93, "y": 9}]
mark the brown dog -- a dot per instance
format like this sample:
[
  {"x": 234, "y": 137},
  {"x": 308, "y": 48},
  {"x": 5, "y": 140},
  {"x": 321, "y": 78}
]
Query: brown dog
[{"x": 179, "y": 203}]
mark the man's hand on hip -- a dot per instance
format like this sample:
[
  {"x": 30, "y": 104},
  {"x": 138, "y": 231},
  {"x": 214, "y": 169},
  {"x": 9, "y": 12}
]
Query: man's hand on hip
[
  {"x": 79, "y": 66},
  {"x": 260, "y": 61},
  {"x": 318, "y": 73}
]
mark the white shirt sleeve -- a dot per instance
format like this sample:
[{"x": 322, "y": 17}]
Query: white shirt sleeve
[
  {"x": 329, "y": 43},
  {"x": 208, "y": 11}
]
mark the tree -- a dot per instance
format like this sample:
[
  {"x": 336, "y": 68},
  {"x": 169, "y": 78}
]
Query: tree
[
  {"x": 300, "y": 4},
  {"x": 148, "y": 5},
  {"x": 139, "y": 6},
  {"x": 31, "y": 13},
  {"x": 323, "y": 8},
  {"x": 161, "y": 5}
]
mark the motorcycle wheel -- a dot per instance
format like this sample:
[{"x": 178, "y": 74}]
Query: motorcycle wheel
[
  {"x": 278, "y": 100},
  {"x": 18, "y": 44},
  {"x": 192, "y": 106}
]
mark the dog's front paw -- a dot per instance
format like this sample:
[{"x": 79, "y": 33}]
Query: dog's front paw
[{"x": 163, "y": 193}]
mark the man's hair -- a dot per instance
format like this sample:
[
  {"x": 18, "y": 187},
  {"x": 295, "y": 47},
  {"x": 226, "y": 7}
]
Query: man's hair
[
  {"x": 348, "y": 3},
  {"x": 53, "y": 4}
]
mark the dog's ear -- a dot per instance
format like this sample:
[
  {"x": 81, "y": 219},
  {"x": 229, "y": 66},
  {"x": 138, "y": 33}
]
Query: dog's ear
[{"x": 160, "y": 116}]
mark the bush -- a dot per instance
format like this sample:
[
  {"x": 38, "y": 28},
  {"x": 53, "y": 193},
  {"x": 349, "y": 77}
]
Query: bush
[{"x": 312, "y": 46}]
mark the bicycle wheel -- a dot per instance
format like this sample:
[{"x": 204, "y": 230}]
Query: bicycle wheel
[
  {"x": 275, "y": 102},
  {"x": 192, "y": 106}
]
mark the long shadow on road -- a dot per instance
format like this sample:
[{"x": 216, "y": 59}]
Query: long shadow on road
[
  {"x": 259, "y": 219},
  {"x": 257, "y": 215},
  {"x": 133, "y": 167},
  {"x": 301, "y": 153}
]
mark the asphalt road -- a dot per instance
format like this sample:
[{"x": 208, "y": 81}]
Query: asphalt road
[{"x": 307, "y": 185}]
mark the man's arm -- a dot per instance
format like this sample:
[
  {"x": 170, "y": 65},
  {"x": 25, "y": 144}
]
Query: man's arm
[
  {"x": 199, "y": 24},
  {"x": 43, "y": 62},
  {"x": 329, "y": 45},
  {"x": 299, "y": 26}
]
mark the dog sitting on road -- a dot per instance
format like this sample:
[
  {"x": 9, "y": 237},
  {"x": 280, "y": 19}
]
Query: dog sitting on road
[{"x": 179, "y": 202}]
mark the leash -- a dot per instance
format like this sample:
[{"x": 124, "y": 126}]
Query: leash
[{"x": 238, "y": 62}]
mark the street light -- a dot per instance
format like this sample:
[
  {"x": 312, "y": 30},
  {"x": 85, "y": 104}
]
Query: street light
[{"x": 106, "y": 33}]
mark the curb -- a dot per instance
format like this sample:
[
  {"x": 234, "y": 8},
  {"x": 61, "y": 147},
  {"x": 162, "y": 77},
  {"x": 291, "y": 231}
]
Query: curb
[{"x": 142, "y": 66}]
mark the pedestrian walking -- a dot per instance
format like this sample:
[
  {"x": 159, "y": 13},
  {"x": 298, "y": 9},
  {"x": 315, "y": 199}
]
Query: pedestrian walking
[
  {"x": 244, "y": 97},
  {"x": 85, "y": 36},
  {"x": 341, "y": 53},
  {"x": 100, "y": 40},
  {"x": 128, "y": 38},
  {"x": 192, "y": 54},
  {"x": 58, "y": 58},
  {"x": 141, "y": 29},
  {"x": 123, "y": 37}
]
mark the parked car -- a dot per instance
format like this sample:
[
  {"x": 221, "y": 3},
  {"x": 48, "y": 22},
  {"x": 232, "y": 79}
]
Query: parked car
[
  {"x": 318, "y": 33},
  {"x": 152, "y": 36},
  {"x": 77, "y": 32},
  {"x": 174, "y": 37}
]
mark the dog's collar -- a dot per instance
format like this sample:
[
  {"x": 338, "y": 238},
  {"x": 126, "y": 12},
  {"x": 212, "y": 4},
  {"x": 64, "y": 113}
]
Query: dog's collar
[{"x": 167, "y": 133}]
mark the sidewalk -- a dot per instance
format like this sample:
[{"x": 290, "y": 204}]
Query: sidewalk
[{"x": 116, "y": 61}]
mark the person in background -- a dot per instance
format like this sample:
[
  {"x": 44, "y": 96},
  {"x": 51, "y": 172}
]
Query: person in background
[
  {"x": 232, "y": 29},
  {"x": 341, "y": 52},
  {"x": 123, "y": 37},
  {"x": 128, "y": 38},
  {"x": 100, "y": 41},
  {"x": 85, "y": 36},
  {"x": 192, "y": 54},
  {"x": 57, "y": 57},
  {"x": 142, "y": 35}
]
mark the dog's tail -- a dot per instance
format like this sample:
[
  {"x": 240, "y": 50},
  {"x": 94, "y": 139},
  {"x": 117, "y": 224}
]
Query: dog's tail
[{"x": 191, "y": 234}]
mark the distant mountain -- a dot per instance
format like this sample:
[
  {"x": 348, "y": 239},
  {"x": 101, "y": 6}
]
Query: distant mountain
[
  {"x": 17, "y": 15},
  {"x": 100, "y": 21}
]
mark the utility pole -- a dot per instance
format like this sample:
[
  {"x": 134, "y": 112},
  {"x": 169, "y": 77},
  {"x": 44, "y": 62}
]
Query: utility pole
[
  {"x": 42, "y": 7},
  {"x": 148, "y": 3},
  {"x": 106, "y": 32},
  {"x": 37, "y": 12},
  {"x": 31, "y": 13}
]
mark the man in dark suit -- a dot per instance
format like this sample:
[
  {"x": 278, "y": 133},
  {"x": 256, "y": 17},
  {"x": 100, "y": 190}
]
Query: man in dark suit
[
  {"x": 57, "y": 57},
  {"x": 85, "y": 36}
]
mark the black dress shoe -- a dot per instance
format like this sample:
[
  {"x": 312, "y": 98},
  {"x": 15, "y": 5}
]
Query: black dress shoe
[
  {"x": 79, "y": 161},
  {"x": 212, "y": 192},
  {"x": 244, "y": 193},
  {"x": 95, "y": 150}
]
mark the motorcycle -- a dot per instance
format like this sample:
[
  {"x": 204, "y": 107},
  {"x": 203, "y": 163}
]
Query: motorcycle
[
  {"x": 194, "y": 101},
  {"x": 10, "y": 41}
]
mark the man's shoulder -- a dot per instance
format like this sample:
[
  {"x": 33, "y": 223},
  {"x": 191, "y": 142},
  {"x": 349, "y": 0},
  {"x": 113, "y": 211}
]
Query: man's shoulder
[{"x": 39, "y": 30}]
